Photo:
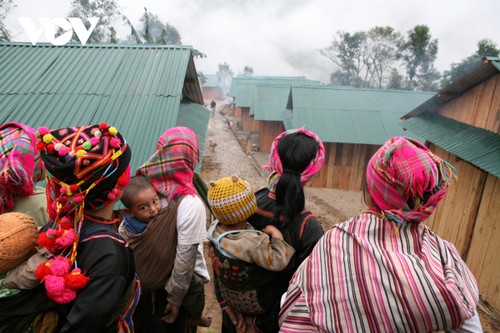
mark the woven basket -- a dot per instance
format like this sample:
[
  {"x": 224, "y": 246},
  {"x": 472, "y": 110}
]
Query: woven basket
[{"x": 18, "y": 236}]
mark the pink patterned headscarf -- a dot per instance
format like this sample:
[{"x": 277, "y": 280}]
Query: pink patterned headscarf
[
  {"x": 171, "y": 168},
  {"x": 406, "y": 180},
  {"x": 20, "y": 164},
  {"x": 275, "y": 167}
]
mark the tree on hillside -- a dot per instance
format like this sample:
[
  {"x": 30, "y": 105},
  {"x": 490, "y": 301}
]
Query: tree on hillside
[
  {"x": 485, "y": 48},
  {"x": 153, "y": 31},
  {"x": 419, "y": 52},
  {"x": 5, "y": 7},
  {"x": 365, "y": 58},
  {"x": 346, "y": 51},
  {"x": 381, "y": 55},
  {"x": 248, "y": 71},
  {"x": 225, "y": 74},
  {"x": 106, "y": 10}
]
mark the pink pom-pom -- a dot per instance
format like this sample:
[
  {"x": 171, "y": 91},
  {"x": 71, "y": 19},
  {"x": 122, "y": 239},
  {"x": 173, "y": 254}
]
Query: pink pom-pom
[
  {"x": 65, "y": 297},
  {"x": 65, "y": 220},
  {"x": 115, "y": 143},
  {"x": 59, "y": 266},
  {"x": 94, "y": 140},
  {"x": 67, "y": 238},
  {"x": 78, "y": 199},
  {"x": 63, "y": 190},
  {"x": 51, "y": 232},
  {"x": 43, "y": 130},
  {"x": 55, "y": 285},
  {"x": 111, "y": 196},
  {"x": 63, "y": 150}
]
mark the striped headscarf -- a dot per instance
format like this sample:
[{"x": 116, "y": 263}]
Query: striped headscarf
[
  {"x": 275, "y": 168},
  {"x": 20, "y": 164},
  {"x": 171, "y": 168},
  {"x": 406, "y": 180}
]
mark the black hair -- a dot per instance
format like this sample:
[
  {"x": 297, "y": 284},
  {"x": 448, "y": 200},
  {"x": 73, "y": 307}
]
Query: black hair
[
  {"x": 137, "y": 184},
  {"x": 296, "y": 151}
]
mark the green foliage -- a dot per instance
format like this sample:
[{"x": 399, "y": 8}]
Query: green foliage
[
  {"x": 5, "y": 7},
  {"x": 418, "y": 53},
  {"x": 485, "y": 48},
  {"x": 106, "y": 10},
  {"x": 347, "y": 52},
  {"x": 365, "y": 58},
  {"x": 248, "y": 71},
  {"x": 153, "y": 31}
]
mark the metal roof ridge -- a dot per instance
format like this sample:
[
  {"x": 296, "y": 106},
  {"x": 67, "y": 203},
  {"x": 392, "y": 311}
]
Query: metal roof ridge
[{"x": 100, "y": 46}]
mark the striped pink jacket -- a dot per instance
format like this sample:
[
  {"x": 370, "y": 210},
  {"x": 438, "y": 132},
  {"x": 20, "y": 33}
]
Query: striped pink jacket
[{"x": 367, "y": 275}]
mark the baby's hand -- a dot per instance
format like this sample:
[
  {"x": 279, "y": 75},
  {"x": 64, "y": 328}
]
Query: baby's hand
[{"x": 272, "y": 231}]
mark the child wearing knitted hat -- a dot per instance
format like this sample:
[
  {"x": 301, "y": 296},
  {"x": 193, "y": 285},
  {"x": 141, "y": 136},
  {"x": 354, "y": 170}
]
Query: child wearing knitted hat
[{"x": 242, "y": 257}]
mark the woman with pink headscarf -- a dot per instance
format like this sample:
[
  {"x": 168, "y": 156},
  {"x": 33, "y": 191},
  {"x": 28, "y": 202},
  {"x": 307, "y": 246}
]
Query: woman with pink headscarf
[
  {"x": 296, "y": 156},
  {"x": 20, "y": 169},
  {"x": 385, "y": 270},
  {"x": 171, "y": 171}
]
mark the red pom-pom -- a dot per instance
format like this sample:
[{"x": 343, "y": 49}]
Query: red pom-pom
[
  {"x": 73, "y": 188},
  {"x": 76, "y": 280},
  {"x": 103, "y": 126},
  {"x": 42, "y": 270},
  {"x": 50, "y": 148},
  {"x": 45, "y": 241},
  {"x": 40, "y": 145}
]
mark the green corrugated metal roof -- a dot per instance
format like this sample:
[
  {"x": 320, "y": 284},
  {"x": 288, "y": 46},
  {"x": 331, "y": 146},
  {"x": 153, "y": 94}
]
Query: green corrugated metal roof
[
  {"x": 136, "y": 88},
  {"x": 196, "y": 117},
  {"x": 472, "y": 144},
  {"x": 287, "y": 80},
  {"x": 270, "y": 101},
  {"x": 489, "y": 67},
  {"x": 360, "y": 116},
  {"x": 246, "y": 88}
]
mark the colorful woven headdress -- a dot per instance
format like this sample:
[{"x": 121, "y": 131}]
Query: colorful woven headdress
[
  {"x": 171, "y": 168},
  {"x": 87, "y": 168},
  {"x": 275, "y": 167},
  {"x": 406, "y": 180},
  {"x": 20, "y": 164}
]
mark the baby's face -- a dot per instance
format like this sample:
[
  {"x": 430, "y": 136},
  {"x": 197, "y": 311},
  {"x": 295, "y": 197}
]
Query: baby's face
[{"x": 146, "y": 205}]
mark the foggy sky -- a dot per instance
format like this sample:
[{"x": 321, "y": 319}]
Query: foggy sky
[{"x": 282, "y": 37}]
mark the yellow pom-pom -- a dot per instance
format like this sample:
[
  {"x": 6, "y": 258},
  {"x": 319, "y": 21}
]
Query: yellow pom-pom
[
  {"x": 80, "y": 153},
  {"x": 112, "y": 130},
  {"x": 47, "y": 138}
]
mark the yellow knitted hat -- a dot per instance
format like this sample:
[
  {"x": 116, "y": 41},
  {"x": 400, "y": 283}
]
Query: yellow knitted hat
[
  {"x": 18, "y": 235},
  {"x": 232, "y": 200}
]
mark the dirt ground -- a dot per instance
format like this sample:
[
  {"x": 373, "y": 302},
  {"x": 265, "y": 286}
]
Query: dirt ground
[{"x": 232, "y": 156}]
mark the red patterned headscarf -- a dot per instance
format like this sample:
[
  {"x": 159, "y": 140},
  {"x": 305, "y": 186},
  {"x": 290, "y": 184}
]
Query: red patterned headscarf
[
  {"x": 406, "y": 180},
  {"x": 171, "y": 168},
  {"x": 20, "y": 164},
  {"x": 275, "y": 168},
  {"x": 87, "y": 168}
]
